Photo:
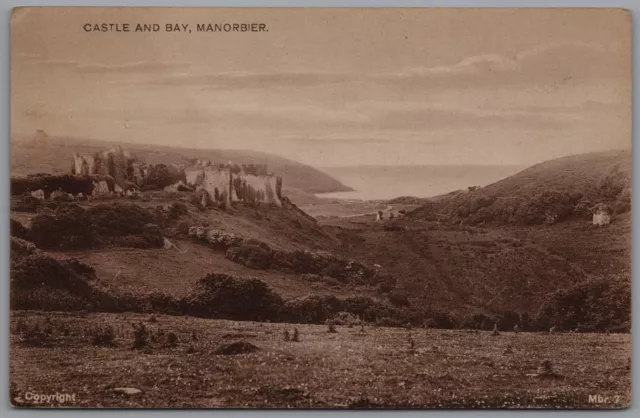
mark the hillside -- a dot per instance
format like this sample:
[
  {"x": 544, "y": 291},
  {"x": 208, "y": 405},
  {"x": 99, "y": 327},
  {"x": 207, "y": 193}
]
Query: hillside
[
  {"x": 580, "y": 172},
  {"x": 487, "y": 250},
  {"x": 548, "y": 192},
  {"x": 53, "y": 155}
]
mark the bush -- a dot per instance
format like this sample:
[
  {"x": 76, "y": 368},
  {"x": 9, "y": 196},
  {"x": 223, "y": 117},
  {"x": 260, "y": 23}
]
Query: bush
[
  {"x": 44, "y": 283},
  {"x": 140, "y": 336},
  {"x": 314, "y": 309},
  {"x": 31, "y": 271},
  {"x": 320, "y": 263},
  {"x": 25, "y": 203},
  {"x": 399, "y": 298},
  {"x": 21, "y": 248},
  {"x": 216, "y": 238},
  {"x": 177, "y": 209},
  {"x": 317, "y": 309},
  {"x": 103, "y": 336},
  {"x": 613, "y": 183},
  {"x": 223, "y": 296},
  {"x": 35, "y": 334},
  {"x": 345, "y": 318},
  {"x": 593, "y": 305},
  {"x": 172, "y": 340},
  {"x": 254, "y": 257},
  {"x": 50, "y": 183},
  {"x": 550, "y": 206},
  {"x": 479, "y": 321},
  {"x": 331, "y": 327},
  {"x": 70, "y": 226}
]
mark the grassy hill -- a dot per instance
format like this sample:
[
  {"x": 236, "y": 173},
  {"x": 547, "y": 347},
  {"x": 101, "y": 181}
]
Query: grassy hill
[
  {"x": 580, "y": 172},
  {"x": 548, "y": 192},
  {"x": 53, "y": 155}
]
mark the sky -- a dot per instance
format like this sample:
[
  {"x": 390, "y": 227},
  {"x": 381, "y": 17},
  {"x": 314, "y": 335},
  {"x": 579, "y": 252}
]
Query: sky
[{"x": 332, "y": 87}]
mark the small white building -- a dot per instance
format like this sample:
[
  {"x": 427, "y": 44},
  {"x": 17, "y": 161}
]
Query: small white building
[{"x": 601, "y": 214}]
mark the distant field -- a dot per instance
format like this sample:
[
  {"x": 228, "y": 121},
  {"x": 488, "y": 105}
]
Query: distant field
[{"x": 349, "y": 369}]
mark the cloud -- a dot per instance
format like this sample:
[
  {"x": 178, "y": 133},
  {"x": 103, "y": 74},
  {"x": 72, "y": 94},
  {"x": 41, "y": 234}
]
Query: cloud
[
  {"x": 83, "y": 67},
  {"x": 548, "y": 65}
]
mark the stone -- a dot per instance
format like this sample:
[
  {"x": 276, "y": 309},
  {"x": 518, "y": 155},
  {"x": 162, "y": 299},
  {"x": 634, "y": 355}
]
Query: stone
[{"x": 127, "y": 391}]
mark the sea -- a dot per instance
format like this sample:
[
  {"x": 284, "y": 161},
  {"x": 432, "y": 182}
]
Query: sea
[{"x": 388, "y": 182}]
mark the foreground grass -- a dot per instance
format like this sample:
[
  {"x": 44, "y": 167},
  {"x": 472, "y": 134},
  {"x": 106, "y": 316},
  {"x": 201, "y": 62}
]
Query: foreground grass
[{"x": 376, "y": 368}]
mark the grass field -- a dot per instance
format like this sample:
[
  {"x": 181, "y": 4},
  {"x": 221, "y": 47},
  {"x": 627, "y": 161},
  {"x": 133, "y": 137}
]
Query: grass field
[{"x": 352, "y": 368}]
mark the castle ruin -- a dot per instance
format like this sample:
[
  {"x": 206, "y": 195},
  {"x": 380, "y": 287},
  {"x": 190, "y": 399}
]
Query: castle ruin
[
  {"x": 222, "y": 183},
  {"x": 228, "y": 183}
]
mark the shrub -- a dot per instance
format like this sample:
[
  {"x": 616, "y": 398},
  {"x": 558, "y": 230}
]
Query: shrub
[
  {"x": 70, "y": 226},
  {"x": 140, "y": 336},
  {"x": 254, "y": 257},
  {"x": 216, "y": 238},
  {"x": 345, "y": 318},
  {"x": 399, "y": 298},
  {"x": 549, "y": 206},
  {"x": 592, "y": 305},
  {"x": 177, "y": 209},
  {"x": 35, "y": 334},
  {"x": 103, "y": 336},
  {"x": 238, "y": 347},
  {"x": 386, "y": 283},
  {"x": 223, "y": 296},
  {"x": 17, "y": 229},
  {"x": 32, "y": 270},
  {"x": 311, "y": 309},
  {"x": 172, "y": 339},
  {"x": 50, "y": 183},
  {"x": 25, "y": 203},
  {"x": 20, "y": 248},
  {"x": 317, "y": 309},
  {"x": 613, "y": 183},
  {"x": 331, "y": 327}
]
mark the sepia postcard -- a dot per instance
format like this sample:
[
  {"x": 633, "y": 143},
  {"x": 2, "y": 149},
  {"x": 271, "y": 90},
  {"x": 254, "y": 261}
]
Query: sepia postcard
[{"x": 320, "y": 208}]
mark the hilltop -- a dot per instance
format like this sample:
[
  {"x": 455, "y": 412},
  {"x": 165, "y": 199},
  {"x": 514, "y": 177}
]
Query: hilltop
[
  {"x": 51, "y": 154},
  {"x": 581, "y": 173}
]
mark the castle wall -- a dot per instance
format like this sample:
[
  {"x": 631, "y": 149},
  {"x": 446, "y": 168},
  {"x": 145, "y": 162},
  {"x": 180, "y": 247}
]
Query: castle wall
[
  {"x": 266, "y": 184},
  {"x": 210, "y": 178},
  {"x": 217, "y": 178},
  {"x": 83, "y": 165},
  {"x": 113, "y": 162},
  {"x": 194, "y": 175}
]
